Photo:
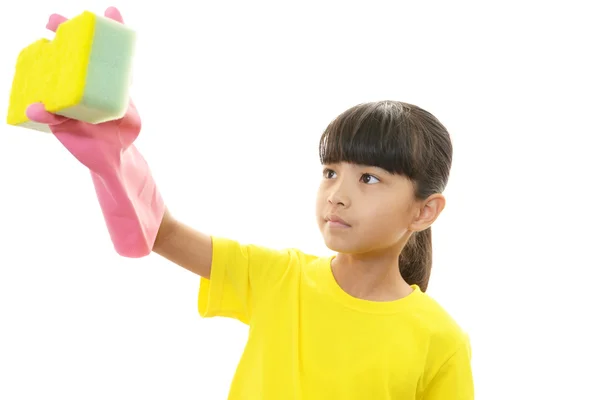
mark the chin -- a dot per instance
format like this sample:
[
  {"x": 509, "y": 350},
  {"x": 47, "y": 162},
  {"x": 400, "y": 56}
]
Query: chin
[{"x": 340, "y": 245}]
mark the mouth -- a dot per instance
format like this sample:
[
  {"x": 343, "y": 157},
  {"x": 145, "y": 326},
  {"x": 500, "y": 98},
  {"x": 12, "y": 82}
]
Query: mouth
[{"x": 335, "y": 221}]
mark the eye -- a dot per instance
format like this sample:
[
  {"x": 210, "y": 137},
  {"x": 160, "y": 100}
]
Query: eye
[
  {"x": 328, "y": 173},
  {"x": 369, "y": 179}
]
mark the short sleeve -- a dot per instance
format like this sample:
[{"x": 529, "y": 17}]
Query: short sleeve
[
  {"x": 454, "y": 380},
  {"x": 239, "y": 276}
]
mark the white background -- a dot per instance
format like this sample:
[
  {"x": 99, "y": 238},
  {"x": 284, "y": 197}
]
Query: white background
[{"x": 234, "y": 96}]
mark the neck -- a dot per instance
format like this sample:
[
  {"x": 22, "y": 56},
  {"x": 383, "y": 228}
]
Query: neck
[{"x": 373, "y": 277}]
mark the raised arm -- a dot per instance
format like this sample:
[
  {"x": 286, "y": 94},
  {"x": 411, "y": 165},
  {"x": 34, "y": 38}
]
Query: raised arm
[{"x": 133, "y": 208}]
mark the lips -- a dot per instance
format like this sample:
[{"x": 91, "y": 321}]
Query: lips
[{"x": 335, "y": 220}]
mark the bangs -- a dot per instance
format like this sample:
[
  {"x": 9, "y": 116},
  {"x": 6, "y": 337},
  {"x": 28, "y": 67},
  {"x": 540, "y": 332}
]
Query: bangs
[{"x": 374, "y": 134}]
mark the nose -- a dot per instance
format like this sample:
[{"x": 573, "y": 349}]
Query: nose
[{"x": 339, "y": 195}]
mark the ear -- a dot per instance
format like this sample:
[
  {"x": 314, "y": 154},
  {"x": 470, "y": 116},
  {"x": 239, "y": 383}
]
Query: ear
[{"x": 427, "y": 211}]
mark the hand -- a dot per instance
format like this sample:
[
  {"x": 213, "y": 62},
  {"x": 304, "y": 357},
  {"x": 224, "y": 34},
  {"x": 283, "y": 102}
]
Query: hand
[
  {"x": 97, "y": 146},
  {"x": 129, "y": 198}
]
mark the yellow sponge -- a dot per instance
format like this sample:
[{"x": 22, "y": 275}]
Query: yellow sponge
[{"x": 84, "y": 73}]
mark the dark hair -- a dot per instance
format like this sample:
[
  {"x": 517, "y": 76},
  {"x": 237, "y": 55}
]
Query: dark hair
[{"x": 402, "y": 139}]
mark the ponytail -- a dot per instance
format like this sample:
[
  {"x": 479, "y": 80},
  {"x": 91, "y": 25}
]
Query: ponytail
[{"x": 416, "y": 259}]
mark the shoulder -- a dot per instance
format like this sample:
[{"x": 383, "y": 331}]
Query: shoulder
[
  {"x": 256, "y": 263},
  {"x": 258, "y": 253},
  {"x": 444, "y": 334}
]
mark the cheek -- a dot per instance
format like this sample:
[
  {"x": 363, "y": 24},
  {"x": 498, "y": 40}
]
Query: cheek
[
  {"x": 319, "y": 200},
  {"x": 384, "y": 220},
  {"x": 320, "y": 205}
]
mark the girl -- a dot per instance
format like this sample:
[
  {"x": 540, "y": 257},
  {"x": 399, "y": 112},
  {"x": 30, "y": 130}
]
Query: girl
[{"x": 357, "y": 325}]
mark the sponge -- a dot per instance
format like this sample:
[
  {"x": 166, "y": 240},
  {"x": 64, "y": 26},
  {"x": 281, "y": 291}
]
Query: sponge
[{"x": 84, "y": 73}]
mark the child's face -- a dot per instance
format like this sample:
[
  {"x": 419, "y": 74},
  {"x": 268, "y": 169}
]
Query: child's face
[{"x": 378, "y": 208}]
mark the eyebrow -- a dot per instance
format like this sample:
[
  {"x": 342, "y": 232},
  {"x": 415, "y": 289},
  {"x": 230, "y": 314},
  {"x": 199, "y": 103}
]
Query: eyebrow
[
  {"x": 383, "y": 171},
  {"x": 360, "y": 166}
]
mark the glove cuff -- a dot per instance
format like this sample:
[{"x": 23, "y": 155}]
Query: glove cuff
[{"x": 132, "y": 206}]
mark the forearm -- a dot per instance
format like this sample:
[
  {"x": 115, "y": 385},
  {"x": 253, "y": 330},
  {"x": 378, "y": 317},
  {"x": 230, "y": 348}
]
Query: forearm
[
  {"x": 138, "y": 221},
  {"x": 184, "y": 246}
]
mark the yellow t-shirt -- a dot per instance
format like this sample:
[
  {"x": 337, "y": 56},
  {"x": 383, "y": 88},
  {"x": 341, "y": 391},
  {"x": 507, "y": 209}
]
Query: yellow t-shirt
[{"x": 308, "y": 339}]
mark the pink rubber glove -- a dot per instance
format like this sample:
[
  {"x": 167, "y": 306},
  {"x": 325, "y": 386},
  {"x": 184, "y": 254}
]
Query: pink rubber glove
[{"x": 131, "y": 203}]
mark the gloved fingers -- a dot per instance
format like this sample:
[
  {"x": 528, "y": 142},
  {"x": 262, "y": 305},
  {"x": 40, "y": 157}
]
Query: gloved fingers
[
  {"x": 114, "y": 14},
  {"x": 37, "y": 113},
  {"x": 54, "y": 21}
]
